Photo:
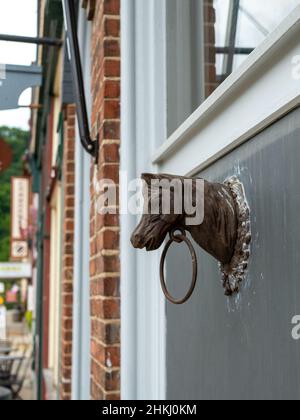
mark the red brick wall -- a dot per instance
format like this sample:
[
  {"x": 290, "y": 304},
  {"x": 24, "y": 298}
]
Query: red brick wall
[
  {"x": 209, "y": 47},
  {"x": 68, "y": 176},
  {"x": 104, "y": 229}
]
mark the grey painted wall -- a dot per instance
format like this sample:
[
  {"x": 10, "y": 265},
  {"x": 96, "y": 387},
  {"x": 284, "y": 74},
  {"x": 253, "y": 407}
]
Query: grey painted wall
[
  {"x": 185, "y": 73},
  {"x": 242, "y": 348}
]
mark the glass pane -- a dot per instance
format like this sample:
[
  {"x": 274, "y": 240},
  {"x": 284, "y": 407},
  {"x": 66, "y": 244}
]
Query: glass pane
[
  {"x": 258, "y": 18},
  {"x": 239, "y": 27}
]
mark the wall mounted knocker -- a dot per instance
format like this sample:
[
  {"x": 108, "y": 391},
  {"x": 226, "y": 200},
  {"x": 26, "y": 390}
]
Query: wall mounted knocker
[
  {"x": 178, "y": 238},
  {"x": 224, "y": 231}
]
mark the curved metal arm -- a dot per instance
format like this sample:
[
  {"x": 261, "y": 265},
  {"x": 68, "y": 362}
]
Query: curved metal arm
[{"x": 92, "y": 147}]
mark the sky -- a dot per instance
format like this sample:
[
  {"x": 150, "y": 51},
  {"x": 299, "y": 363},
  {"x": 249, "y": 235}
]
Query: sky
[{"x": 18, "y": 17}]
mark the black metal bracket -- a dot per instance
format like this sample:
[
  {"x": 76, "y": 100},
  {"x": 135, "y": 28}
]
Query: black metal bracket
[
  {"x": 51, "y": 42},
  {"x": 92, "y": 147}
]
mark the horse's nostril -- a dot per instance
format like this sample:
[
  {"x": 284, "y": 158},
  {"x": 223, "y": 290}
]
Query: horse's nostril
[{"x": 136, "y": 240}]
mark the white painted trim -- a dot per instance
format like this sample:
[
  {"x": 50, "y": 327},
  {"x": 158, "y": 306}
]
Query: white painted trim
[
  {"x": 128, "y": 163},
  {"x": 143, "y": 128},
  {"x": 255, "y": 95},
  {"x": 81, "y": 307}
]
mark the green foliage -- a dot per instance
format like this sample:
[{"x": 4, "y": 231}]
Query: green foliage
[
  {"x": 29, "y": 319},
  {"x": 18, "y": 140}
]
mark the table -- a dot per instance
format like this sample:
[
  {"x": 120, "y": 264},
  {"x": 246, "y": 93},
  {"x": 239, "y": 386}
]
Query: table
[{"x": 5, "y": 394}]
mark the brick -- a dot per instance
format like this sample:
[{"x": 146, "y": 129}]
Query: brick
[
  {"x": 105, "y": 243},
  {"x": 67, "y": 312},
  {"x": 105, "y": 308},
  {"x": 112, "y": 397},
  {"x": 106, "y": 264},
  {"x": 68, "y": 175},
  {"x": 111, "y": 7},
  {"x": 111, "y": 130},
  {"x": 108, "y": 239},
  {"x": 66, "y": 388},
  {"x": 112, "y": 381},
  {"x": 111, "y": 89},
  {"x": 109, "y": 286},
  {"x": 107, "y": 220},
  {"x": 70, "y": 167},
  {"x": 111, "y": 109},
  {"x": 110, "y": 309},
  {"x": 70, "y": 179},
  {"x": 67, "y": 288},
  {"x": 108, "y": 332},
  {"x": 66, "y": 372},
  {"x": 69, "y": 226},
  {"x": 112, "y": 68},
  {"x": 96, "y": 392},
  {"x": 69, "y": 202},
  {"x": 67, "y": 361},
  {"x": 111, "y": 48},
  {"x": 112, "y": 27},
  {"x": 70, "y": 190},
  {"x": 209, "y": 13},
  {"x": 67, "y": 336},
  {"x": 111, "y": 172},
  {"x": 210, "y": 72}
]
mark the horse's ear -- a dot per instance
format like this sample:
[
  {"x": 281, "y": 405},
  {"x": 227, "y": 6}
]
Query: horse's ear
[{"x": 148, "y": 178}]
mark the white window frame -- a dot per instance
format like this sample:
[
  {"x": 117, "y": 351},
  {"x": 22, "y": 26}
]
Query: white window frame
[
  {"x": 257, "y": 94},
  {"x": 143, "y": 128},
  {"x": 81, "y": 363}
]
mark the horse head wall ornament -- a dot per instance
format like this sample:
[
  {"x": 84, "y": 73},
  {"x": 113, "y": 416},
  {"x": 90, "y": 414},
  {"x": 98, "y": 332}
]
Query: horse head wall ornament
[{"x": 223, "y": 230}]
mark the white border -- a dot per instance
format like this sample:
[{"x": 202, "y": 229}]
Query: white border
[{"x": 261, "y": 91}]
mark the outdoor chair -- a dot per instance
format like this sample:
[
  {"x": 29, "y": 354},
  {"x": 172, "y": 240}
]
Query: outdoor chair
[
  {"x": 6, "y": 366},
  {"x": 14, "y": 381}
]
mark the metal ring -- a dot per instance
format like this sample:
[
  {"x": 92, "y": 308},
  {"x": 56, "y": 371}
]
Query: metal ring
[{"x": 178, "y": 239}]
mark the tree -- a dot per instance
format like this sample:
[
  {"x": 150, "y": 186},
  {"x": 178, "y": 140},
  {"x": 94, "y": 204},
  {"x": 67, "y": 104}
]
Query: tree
[{"x": 18, "y": 140}]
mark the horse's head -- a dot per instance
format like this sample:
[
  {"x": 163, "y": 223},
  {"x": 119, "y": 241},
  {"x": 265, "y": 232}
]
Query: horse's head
[
  {"x": 220, "y": 222},
  {"x": 159, "y": 215}
]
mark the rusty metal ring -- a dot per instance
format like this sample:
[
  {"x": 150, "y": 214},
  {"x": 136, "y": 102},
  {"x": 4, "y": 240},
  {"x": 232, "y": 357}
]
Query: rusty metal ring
[{"x": 178, "y": 239}]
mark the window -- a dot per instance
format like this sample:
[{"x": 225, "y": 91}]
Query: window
[
  {"x": 184, "y": 60},
  {"x": 206, "y": 40},
  {"x": 240, "y": 26}
]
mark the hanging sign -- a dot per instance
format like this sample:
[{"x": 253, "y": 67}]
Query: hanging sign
[
  {"x": 19, "y": 218},
  {"x": 5, "y": 155},
  {"x": 2, "y": 323},
  {"x": 15, "y": 271}
]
